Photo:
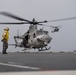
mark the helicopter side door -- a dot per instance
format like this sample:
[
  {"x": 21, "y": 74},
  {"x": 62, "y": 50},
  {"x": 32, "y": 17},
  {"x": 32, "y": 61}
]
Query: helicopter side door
[{"x": 25, "y": 40}]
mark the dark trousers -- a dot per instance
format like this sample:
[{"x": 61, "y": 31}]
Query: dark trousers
[{"x": 5, "y": 46}]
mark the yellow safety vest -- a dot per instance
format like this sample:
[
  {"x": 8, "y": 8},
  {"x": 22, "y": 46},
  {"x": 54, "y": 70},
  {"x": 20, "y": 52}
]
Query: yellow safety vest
[{"x": 5, "y": 35}]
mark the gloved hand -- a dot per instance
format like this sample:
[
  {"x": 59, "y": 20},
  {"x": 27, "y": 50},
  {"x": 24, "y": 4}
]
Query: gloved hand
[{"x": 2, "y": 40}]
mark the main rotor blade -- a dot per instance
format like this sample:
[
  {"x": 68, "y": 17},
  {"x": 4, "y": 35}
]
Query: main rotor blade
[
  {"x": 15, "y": 23},
  {"x": 13, "y": 16},
  {"x": 55, "y": 26},
  {"x": 50, "y": 26},
  {"x": 64, "y": 19},
  {"x": 40, "y": 24},
  {"x": 43, "y": 21}
]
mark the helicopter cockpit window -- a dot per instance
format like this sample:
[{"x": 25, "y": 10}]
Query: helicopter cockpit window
[
  {"x": 46, "y": 32},
  {"x": 34, "y": 35},
  {"x": 39, "y": 32},
  {"x": 42, "y": 32}
]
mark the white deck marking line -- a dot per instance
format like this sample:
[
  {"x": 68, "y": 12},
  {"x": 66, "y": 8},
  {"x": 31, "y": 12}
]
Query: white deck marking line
[{"x": 19, "y": 66}]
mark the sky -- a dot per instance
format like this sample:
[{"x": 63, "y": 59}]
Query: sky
[{"x": 64, "y": 40}]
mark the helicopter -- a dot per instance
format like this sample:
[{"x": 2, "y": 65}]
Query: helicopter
[
  {"x": 34, "y": 38},
  {"x": 55, "y": 28}
]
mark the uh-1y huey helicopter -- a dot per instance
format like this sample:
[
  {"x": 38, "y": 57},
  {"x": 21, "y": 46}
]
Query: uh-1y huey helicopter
[{"x": 33, "y": 38}]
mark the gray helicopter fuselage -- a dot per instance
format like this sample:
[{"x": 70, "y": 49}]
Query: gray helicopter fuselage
[
  {"x": 34, "y": 38},
  {"x": 38, "y": 39}
]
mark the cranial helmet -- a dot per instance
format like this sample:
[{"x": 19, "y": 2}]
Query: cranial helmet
[{"x": 6, "y": 28}]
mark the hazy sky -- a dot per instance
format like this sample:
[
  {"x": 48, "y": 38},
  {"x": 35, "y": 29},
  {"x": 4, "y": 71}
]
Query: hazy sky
[{"x": 64, "y": 40}]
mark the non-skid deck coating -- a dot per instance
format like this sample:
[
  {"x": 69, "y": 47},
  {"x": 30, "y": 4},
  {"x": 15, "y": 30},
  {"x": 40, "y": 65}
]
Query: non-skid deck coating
[{"x": 24, "y": 62}]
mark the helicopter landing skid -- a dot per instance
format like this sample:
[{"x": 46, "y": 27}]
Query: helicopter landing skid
[
  {"x": 27, "y": 48},
  {"x": 44, "y": 49}
]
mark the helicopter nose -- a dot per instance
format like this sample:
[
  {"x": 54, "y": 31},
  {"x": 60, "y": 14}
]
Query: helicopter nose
[{"x": 47, "y": 39}]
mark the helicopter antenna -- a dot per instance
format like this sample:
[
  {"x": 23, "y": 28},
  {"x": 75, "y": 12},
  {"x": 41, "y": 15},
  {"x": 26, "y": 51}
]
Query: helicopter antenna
[{"x": 18, "y": 32}]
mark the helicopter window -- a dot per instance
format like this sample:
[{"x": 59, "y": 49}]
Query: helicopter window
[
  {"x": 39, "y": 32},
  {"x": 27, "y": 37},
  {"x": 34, "y": 35},
  {"x": 42, "y": 32},
  {"x": 46, "y": 32}
]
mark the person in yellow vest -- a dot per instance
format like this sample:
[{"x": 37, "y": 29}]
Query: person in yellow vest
[{"x": 5, "y": 37}]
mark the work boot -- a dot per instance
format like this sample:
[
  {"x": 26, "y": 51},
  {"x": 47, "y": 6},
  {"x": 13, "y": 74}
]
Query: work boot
[{"x": 4, "y": 53}]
